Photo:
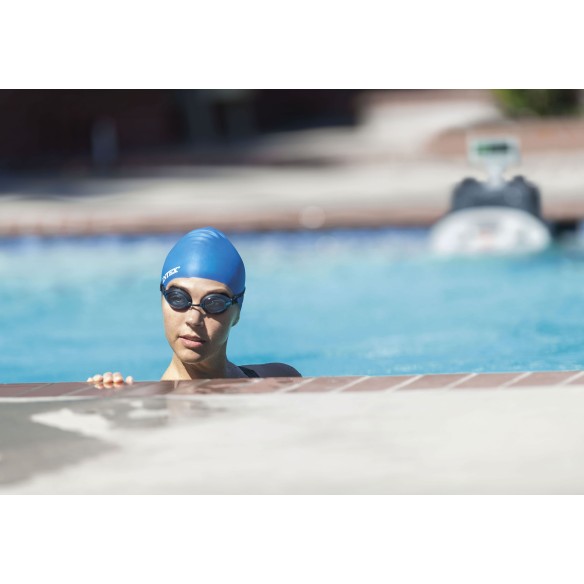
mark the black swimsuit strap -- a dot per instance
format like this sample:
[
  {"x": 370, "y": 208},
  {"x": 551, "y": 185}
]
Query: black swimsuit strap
[{"x": 249, "y": 372}]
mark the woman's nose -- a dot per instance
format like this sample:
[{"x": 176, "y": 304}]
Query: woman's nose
[{"x": 195, "y": 315}]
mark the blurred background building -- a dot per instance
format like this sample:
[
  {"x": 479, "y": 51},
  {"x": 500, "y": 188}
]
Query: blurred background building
[
  {"x": 66, "y": 129},
  {"x": 94, "y": 161}
]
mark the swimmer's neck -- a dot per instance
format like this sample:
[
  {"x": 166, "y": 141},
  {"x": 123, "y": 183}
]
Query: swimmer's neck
[{"x": 219, "y": 369}]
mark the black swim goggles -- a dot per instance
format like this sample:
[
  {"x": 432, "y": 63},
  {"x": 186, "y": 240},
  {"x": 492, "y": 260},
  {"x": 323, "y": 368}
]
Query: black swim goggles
[{"x": 180, "y": 299}]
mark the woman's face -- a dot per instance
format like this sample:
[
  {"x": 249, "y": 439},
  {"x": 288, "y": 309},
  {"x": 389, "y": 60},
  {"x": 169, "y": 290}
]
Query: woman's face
[{"x": 193, "y": 335}]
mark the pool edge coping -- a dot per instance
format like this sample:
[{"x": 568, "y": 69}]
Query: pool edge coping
[{"x": 10, "y": 392}]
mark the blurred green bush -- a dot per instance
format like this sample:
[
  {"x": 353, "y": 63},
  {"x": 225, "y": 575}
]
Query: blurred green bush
[{"x": 538, "y": 102}]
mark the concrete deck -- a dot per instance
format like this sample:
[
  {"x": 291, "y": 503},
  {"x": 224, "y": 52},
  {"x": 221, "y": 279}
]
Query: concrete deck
[{"x": 509, "y": 433}]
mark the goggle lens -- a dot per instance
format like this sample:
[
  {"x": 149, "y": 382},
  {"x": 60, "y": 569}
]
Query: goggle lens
[
  {"x": 211, "y": 304},
  {"x": 215, "y": 303},
  {"x": 178, "y": 299}
]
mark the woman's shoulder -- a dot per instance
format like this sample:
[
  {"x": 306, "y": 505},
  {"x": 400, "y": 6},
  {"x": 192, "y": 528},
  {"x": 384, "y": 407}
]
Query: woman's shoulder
[{"x": 273, "y": 370}]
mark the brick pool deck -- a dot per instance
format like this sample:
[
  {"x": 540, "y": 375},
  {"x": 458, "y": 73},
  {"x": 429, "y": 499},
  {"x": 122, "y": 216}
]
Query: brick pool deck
[{"x": 443, "y": 382}]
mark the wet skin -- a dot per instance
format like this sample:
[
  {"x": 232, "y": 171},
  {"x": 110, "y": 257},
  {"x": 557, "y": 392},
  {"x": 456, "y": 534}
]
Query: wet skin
[{"x": 199, "y": 340}]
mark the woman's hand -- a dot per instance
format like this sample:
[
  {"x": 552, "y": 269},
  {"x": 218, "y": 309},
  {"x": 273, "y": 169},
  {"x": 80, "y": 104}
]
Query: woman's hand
[{"x": 110, "y": 380}]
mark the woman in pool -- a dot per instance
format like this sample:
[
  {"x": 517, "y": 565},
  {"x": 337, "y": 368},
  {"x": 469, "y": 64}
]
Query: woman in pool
[{"x": 202, "y": 286}]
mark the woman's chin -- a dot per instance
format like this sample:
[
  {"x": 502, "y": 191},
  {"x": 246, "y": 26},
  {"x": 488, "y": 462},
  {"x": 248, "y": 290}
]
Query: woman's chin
[{"x": 189, "y": 356}]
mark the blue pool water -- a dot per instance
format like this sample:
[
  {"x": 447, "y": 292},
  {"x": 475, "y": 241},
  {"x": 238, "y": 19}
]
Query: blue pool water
[{"x": 329, "y": 303}]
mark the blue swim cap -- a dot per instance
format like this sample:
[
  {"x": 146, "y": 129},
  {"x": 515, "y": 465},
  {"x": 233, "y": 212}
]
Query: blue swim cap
[{"x": 205, "y": 253}]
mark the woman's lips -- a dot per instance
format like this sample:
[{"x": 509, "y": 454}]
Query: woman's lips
[{"x": 191, "y": 342}]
